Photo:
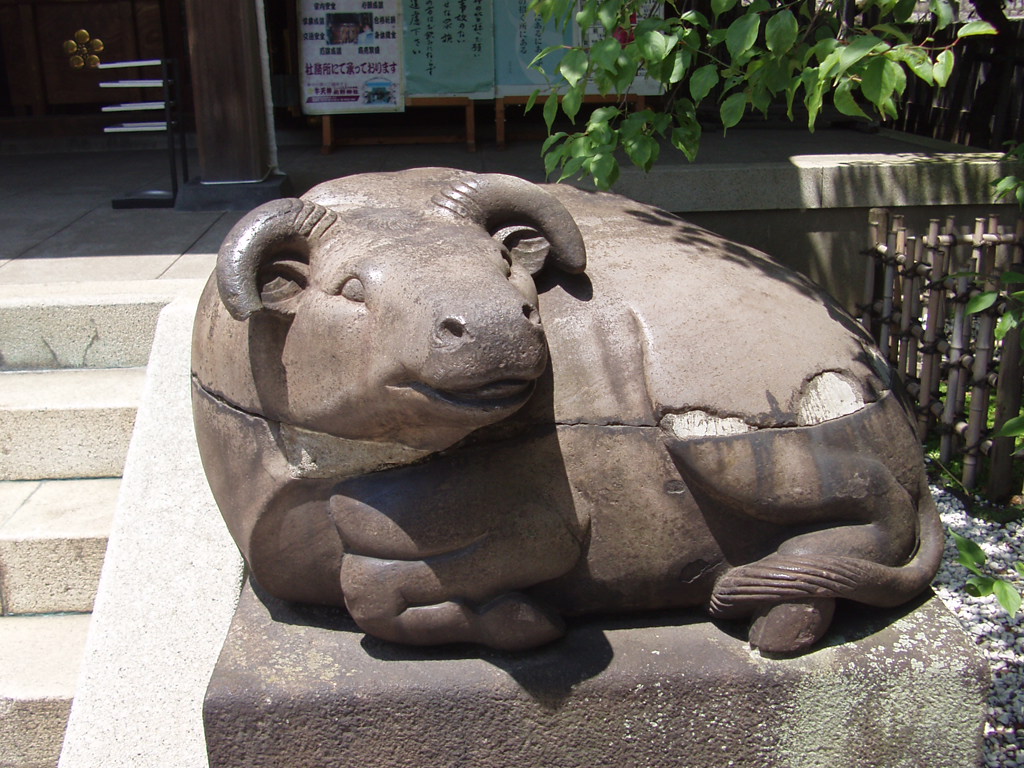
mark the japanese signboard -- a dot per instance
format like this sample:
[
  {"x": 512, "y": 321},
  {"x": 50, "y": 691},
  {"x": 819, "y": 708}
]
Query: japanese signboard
[
  {"x": 519, "y": 35},
  {"x": 351, "y": 56},
  {"x": 449, "y": 48}
]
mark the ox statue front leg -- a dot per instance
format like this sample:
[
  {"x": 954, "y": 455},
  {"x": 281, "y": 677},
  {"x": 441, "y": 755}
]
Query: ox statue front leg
[
  {"x": 406, "y": 601},
  {"x": 442, "y": 552}
]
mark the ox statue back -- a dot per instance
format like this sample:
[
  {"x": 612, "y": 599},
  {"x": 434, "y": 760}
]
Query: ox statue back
[{"x": 465, "y": 407}]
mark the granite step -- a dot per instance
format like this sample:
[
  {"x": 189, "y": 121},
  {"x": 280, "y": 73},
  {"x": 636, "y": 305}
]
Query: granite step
[
  {"x": 53, "y": 537},
  {"x": 40, "y": 659},
  {"x": 81, "y": 325},
  {"x": 67, "y": 423}
]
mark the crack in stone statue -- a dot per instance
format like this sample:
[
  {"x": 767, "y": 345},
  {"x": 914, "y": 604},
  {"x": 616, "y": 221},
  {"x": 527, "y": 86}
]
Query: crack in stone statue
[{"x": 466, "y": 406}]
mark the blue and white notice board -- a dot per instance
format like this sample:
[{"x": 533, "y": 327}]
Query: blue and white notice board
[{"x": 369, "y": 55}]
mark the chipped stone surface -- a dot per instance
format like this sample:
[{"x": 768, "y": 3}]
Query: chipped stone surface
[
  {"x": 828, "y": 396},
  {"x": 703, "y": 424}
]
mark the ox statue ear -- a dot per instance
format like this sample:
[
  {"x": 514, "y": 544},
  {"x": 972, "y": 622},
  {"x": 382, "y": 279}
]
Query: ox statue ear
[
  {"x": 265, "y": 260},
  {"x": 281, "y": 282},
  {"x": 526, "y": 247},
  {"x": 501, "y": 203}
]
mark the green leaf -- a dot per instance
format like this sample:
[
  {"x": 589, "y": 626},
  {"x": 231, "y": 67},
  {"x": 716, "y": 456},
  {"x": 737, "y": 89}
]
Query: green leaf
[
  {"x": 980, "y": 586},
  {"x": 732, "y": 109},
  {"x": 550, "y": 110},
  {"x": 608, "y": 15},
  {"x": 573, "y": 66},
  {"x": 843, "y": 100},
  {"x": 1005, "y": 324},
  {"x": 981, "y": 302},
  {"x": 605, "y": 170},
  {"x": 572, "y": 166},
  {"x": 686, "y": 141},
  {"x": 553, "y": 158},
  {"x": 1007, "y": 596},
  {"x": 879, "y": 81},
  {"x": 943, "y": 68},
  {"x": 643, "y": 151},
  {"x": 888, "y": 108},
  {"x": 573, "y": 99},
  {"x": 781, "y": 31},
  {"x": 900, "y": 76},
  {"x": 702, "y": 81},
  {"x": 551, "y": 141},
  {"x": 830, "y": 63},
  {"x": 943, "y": 12},
  {"x": 535, "y": 64},
  {"x": 603, "y": 115},
  {"x": 814, "y": 92},
  {"x": 903, "y": 10},
  {"x": 892, "y": 31},
  {"x": 777, "y": 74},
  {"x": 971, "y": 555},
  {"x": 696, "y": 18},
  {"x": 680, "y": 63},
  {"x": 858, "y": 48},
  {"x": 742, "y": 34},
  {"x": 626, "y": 75},
  {"x": 716, "y": 37},
  {"x": 587, "y": 14},
  {"x": 976, "y": 28},
  {"x": 660, "y": 120},
  {"x": 718, "y": 7},
  {"x": 1011, "y": 428},
  {"x": 605, "y": 53},
  {"x": 655, "y": 46},
  {"x": 918, "y": 61},
  {"x": 532, "y": 100},
  {"x": 1019, "y": 567},
  {"x": 1006, "y": 186},
  {"x": 1010, "y": 278}
]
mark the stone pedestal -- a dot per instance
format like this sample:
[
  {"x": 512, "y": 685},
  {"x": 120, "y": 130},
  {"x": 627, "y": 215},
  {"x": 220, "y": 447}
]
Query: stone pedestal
[{"x": 302, "y": 686}]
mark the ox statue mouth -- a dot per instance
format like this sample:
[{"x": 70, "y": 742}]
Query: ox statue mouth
[{"x": 494, "y": 395}]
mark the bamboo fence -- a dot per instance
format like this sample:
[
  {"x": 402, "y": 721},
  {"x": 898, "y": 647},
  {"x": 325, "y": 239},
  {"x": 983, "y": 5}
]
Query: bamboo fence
[{"x": 950, "y": 363}]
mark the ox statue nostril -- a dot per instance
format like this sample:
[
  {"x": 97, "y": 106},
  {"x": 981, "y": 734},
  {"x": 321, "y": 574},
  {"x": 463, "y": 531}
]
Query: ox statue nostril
[
  {"x": 530, "y": 313},
  {"x": 452, "y": 327}
]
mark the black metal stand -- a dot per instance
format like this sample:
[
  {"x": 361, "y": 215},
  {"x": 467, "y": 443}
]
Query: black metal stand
[{"x": 171, "y": 124}]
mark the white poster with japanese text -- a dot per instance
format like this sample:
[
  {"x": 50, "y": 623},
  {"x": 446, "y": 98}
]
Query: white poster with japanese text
[
  {"x": 449, "y": 48},
  {"x": 351, "y": 56}
]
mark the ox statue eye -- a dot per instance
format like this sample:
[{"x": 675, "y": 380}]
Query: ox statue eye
[{"x": 352, "y": 289}]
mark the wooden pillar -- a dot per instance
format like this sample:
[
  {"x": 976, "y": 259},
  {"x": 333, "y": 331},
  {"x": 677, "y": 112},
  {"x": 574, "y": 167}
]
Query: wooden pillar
[{"x": 227, "y": 88}]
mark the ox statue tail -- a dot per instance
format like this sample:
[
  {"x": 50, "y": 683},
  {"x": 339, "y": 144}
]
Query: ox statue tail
[{"x": 847, "y": 503}]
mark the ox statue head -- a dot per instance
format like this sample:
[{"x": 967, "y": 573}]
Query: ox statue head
[{"x": 394, "y": 324}]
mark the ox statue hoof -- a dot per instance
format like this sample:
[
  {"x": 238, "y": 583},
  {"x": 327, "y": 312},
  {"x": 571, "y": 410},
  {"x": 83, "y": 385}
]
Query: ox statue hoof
[{"x": 791, "y": 627}]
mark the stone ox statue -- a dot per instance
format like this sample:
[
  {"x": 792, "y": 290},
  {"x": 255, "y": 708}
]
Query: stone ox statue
[{"x": 465, "y": 406}]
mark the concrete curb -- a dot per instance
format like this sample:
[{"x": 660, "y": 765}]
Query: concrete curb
[
  {"x": 168, "y": 589},
  {"x": 820, "y": 181}
]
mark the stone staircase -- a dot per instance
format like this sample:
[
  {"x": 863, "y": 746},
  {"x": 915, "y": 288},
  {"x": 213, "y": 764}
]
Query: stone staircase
[{"x": 72, "y": 371}]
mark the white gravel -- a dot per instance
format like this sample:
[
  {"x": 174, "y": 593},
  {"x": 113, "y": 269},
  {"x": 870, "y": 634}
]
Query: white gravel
[{"x": 999, "y": 636}]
